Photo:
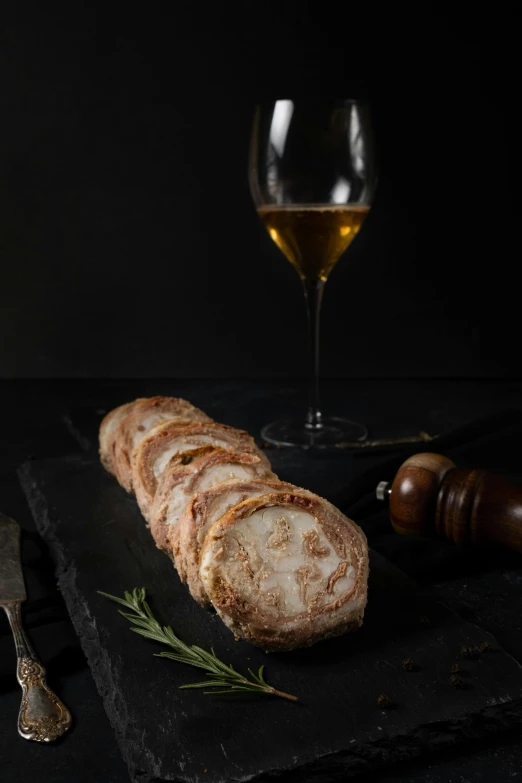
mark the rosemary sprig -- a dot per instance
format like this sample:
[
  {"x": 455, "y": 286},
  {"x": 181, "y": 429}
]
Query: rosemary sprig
[{"x": 221, "y": 678}]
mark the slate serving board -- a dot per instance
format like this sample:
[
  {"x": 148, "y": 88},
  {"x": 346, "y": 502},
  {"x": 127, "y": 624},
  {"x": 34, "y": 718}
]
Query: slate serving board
[{"x": 99, "y": 541}]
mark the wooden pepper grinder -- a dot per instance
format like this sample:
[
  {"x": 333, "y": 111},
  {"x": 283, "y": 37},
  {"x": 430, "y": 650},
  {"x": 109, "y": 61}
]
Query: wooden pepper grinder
[{"x": 430, "y": 495}]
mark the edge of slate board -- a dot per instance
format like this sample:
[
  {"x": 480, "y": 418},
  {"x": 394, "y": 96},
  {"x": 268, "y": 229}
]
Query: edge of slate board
[{"x": 340, "y": 765}]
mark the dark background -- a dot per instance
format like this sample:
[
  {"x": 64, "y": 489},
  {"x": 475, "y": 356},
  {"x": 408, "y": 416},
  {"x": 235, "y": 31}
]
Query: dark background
[{"x": 129, "y": 243}]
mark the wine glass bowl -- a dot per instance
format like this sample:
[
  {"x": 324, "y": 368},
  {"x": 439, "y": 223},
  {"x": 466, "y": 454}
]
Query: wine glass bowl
[{"x": 312, "y": 177}]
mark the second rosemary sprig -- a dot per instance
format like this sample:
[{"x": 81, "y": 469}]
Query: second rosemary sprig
[{"x": 222, "y": 678}]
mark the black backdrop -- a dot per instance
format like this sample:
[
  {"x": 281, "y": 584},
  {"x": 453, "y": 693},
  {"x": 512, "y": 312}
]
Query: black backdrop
[{"x": 129, "y": 244}]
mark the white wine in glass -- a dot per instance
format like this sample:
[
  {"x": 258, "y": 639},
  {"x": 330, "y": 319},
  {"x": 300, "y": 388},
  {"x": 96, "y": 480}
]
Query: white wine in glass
[{"x": 312, "y": 177}]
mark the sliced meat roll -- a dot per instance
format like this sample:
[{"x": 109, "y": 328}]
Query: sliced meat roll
[
  {"x": 203, "y": 510},
  {"x": 166, "y": 441},
  {"x": 108, "y": 429},
  {"x": 145, "y": 414},
  {"x": 191, "y": 472},
  {"x": 286, "y": 570}
]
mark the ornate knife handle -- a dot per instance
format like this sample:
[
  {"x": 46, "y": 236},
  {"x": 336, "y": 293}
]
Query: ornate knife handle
[{"x": 43, "y": 717}]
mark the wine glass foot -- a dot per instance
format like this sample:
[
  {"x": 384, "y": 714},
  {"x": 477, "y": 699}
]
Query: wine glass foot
[{"x": 335, "y": 432}]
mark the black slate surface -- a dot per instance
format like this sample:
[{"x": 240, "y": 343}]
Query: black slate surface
[{"x": 98, "y": 540}]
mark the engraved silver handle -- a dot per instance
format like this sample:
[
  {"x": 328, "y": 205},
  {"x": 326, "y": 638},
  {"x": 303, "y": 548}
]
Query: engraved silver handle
[{"x": 43, "y": 717}]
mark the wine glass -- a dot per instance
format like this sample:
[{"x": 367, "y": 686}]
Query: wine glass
[{"x": 312, "y": 177}]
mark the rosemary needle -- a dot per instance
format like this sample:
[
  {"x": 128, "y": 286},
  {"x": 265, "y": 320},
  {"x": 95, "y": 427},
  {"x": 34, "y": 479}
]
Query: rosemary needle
[{"x": 221, "y": 678}]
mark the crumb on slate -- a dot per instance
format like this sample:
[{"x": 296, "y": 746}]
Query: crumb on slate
[
  {"x": 384, "y": 701},
  {"x": 456, "y": 680}
]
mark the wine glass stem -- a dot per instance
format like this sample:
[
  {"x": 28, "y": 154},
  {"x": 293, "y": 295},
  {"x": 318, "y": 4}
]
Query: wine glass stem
[{"x": 313, "y": 290}]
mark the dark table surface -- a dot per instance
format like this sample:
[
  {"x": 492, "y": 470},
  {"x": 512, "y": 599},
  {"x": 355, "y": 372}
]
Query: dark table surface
[{"x": 51, "y": 418}]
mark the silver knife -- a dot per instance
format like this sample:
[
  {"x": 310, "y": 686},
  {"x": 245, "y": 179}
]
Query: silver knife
[{"x": 43, "y": 717}]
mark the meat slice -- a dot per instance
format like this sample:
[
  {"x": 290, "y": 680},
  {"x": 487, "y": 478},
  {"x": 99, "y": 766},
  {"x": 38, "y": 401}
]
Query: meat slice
[
  {"x": 155, "y": 452},
  {"x": 145, "y": 414},
  {"x": 108, "y": 429},
  {"x": 191, "y": 472},
  {"x": 285, "y": 570},
  {"x": 206, "y": 508}
]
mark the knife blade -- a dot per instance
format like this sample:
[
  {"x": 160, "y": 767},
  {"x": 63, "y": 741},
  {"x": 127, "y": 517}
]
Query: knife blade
[
  {"x": 12, "y": 587},
  {"x": 43, "y": 717}
]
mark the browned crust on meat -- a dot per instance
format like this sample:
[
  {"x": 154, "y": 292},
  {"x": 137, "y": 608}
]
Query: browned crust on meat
[
  {"x": 180, "y": 411},
  {"x": 144, "y": 481},
  {"x": 194, "y": 520},
  {"x": 177, "y": 473},
  {"x": 107, "y": 439},
  {"x": 179, "y": 469},
  {"x": 318, "y": 622}
]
